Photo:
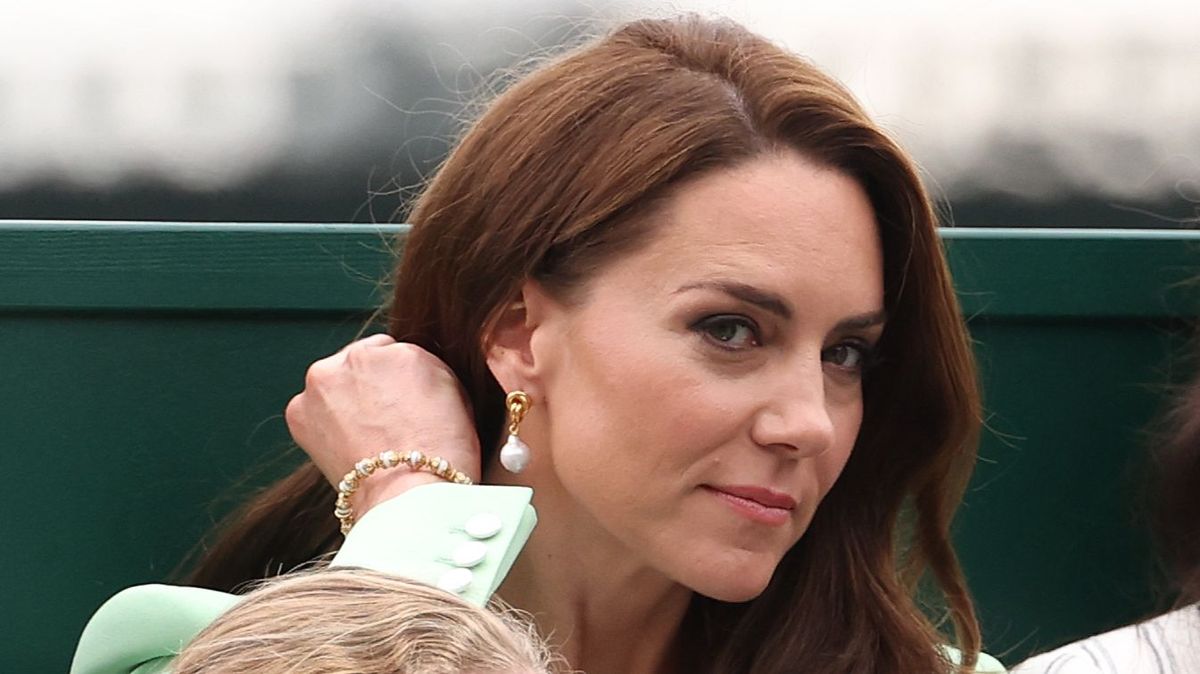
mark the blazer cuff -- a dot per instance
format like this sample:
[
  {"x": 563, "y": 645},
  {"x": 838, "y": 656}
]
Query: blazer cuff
[{"x": 462, "y": 538}]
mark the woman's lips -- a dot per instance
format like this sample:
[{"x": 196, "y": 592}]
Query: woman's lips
[{"x": 757, "y": 504}]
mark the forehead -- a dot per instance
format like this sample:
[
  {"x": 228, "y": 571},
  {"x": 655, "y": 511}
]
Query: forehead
[{"x": 778, "y": 219}]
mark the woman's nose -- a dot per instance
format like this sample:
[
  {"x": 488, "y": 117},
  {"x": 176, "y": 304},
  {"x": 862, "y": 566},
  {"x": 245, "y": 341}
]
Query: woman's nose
[{"x": 796, "y": 417}]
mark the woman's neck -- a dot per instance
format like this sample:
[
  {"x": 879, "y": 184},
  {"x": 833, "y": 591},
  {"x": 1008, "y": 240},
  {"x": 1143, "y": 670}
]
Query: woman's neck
[{"x": 600, "y": 608}]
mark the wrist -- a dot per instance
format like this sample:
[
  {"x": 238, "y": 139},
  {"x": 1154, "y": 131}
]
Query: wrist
[
  {"x": 387, "y": 485},
  {"x": 357, "y": 493}
]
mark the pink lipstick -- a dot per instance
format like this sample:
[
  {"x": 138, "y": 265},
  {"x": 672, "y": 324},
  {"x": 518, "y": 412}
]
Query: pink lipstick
[{"x": 759, "y": 504}]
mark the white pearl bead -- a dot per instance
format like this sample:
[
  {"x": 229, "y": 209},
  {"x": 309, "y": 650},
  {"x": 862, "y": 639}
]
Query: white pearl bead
[
  {"x": 365, "y": 467},
  {"x": 515, "y": 454}
]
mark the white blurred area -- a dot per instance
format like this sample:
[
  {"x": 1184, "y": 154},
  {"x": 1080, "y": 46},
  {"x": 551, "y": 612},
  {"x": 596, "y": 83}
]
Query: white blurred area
[
  {"x": 1028, "y": 97},
  {"x": 204, "y": 94},
  {"x": 1025, "y": 98}
]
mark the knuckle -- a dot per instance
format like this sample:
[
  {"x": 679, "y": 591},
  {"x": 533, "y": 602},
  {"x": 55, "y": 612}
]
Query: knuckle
[
  {"x": 408, "y": 349},
  {"x": 292, "y": 411},
  {"x": 356, "y": 355},
  {"x": 424, "y": 358},
  {"x": 409, "y": 355},
  {"x": 318, "y": 373}
]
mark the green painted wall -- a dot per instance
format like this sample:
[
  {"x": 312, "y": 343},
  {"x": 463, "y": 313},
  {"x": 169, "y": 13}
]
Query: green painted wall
[{"x": 144, "y": 367}]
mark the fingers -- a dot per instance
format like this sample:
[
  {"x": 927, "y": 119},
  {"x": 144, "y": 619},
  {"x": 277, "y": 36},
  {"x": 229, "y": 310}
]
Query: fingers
[
  {"x": 377, "y": 360},
  {"x": 381, "y": 339},
  {"x": 353, "y": 353},
  {"x": 377, "y": 392},
  {"x": 324, "y": 369},
  {"x": 293, "y": 413}
]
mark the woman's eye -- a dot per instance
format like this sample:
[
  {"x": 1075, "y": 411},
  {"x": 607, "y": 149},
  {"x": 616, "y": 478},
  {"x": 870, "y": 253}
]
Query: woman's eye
[
  {"x": 848, "y": 356},
  {"x": 730, "y": 332}
]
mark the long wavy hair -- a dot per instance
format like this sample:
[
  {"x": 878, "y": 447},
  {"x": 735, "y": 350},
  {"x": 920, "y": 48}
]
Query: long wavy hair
[{"x": 551, "y": 182}]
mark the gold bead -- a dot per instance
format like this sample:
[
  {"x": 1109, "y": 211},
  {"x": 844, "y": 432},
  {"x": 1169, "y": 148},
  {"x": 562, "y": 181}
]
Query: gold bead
[{"x": 364, "y": 468}]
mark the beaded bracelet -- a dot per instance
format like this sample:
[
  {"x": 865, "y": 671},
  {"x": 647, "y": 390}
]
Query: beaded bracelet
[{"x": 384, "y": 460}]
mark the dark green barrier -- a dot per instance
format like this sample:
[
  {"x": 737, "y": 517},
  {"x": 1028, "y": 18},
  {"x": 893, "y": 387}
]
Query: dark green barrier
[
  {"x": 144, "y": 368},
  {"x": 1078, "y": 334}
]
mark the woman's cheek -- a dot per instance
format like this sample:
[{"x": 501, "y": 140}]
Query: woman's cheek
[{"x": 647, "y": 432}]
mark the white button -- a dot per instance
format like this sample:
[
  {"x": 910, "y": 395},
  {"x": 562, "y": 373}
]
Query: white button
[
  {"x": 456, "y": 580},
  {"x": 483, "y": 526},
  {"x": 469, "y": 554}
]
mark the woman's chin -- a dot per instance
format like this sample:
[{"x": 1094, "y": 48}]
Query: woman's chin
[
  {"x": 733, "y": 583},
  {"x": 734, "y": 594}
]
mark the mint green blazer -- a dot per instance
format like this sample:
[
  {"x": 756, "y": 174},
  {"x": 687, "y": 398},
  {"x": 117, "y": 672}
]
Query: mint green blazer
[{"x": 140, "y": 630}]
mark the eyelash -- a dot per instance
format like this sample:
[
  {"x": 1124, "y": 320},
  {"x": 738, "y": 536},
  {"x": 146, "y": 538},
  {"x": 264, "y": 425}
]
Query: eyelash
[
  {"x": 867, "y": 356},
  {"x": 707, "y": 324}
]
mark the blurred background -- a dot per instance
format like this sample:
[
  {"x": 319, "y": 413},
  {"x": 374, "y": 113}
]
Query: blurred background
[{"x": 1022, "y": 113}]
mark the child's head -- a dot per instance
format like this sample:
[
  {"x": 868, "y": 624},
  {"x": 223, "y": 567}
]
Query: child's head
[{"x": 357, "y": 621}]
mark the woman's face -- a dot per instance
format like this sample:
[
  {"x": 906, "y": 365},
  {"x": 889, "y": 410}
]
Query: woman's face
[{"x": 702, "y": 397}]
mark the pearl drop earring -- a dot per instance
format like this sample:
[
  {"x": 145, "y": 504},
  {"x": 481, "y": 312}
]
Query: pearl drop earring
[{"x": 514, "y": 456}]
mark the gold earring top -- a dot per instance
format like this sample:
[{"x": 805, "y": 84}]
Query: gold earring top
[{"x": 518, "y": 403}]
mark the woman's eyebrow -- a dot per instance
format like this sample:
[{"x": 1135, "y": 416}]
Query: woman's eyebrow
[
  {"x": 863, "y": 321},
  {"x": 746, "y": 293},
  {"x": 779, "y": 306}
]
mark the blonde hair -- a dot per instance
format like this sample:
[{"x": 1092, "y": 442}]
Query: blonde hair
[{"x": 355, "y": 621}]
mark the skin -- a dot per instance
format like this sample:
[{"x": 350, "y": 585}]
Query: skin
[{"x": 726, "y": 351}]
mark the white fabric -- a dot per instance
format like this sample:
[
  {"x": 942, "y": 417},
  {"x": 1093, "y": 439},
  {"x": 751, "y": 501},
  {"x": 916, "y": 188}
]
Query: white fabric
[{"x": 1168, "y": 644}]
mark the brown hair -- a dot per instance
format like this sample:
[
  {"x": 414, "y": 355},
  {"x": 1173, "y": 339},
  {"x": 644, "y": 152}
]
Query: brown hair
[
  {"x": 1175, "y": 492},
  {"x": 557, "y": 177},
  {"x": 362, "y": 622}
]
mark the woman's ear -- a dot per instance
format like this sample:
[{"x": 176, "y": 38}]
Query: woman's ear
[{"x": 509, "y": 344}]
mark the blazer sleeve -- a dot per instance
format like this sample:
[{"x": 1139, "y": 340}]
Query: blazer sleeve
[
  {"x": 140, "y": 629},
  {"x": 463, "y": 538}
]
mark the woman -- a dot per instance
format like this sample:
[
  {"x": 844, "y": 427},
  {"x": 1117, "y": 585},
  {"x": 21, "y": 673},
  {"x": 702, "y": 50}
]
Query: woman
[
  {"x": 720, "y": 286},
  {"x": 1169, "y": 643}
]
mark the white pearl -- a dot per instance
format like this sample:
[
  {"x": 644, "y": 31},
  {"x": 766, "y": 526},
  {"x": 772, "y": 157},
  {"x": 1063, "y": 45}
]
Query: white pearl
[{"x": 514, "y": 455}]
